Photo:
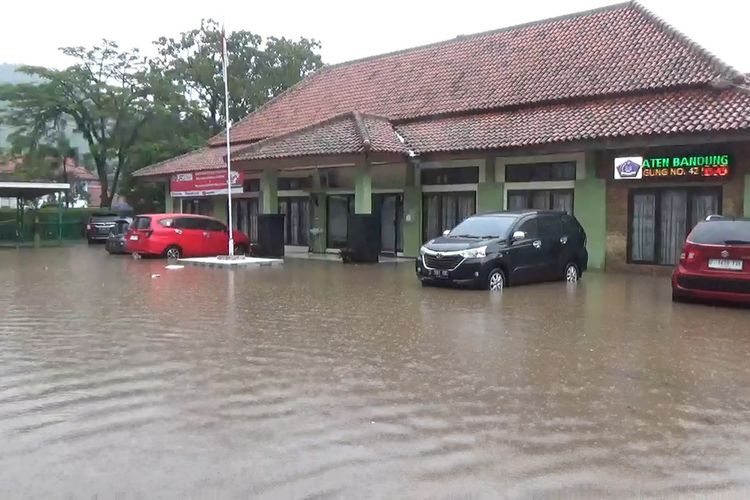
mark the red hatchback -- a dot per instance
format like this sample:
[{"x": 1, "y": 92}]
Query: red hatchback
[
  {"x": 182, "y": 235},
  {"x": 715, "y": 262}
]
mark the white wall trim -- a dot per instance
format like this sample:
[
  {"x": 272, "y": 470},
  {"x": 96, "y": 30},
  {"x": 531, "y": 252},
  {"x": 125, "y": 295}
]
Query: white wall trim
[
  {"x": 449, "y": 188},
  {"x": 388, "y": 191},
  {"x": 292, "y": 193}
]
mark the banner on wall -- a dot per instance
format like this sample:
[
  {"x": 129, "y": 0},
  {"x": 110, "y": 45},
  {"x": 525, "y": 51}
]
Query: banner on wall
[{"x": 204, "y": 183}]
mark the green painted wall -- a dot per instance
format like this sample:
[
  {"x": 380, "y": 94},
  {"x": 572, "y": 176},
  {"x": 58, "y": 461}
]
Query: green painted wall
[
  {"x": 220, "y": 208},
  {"x": 269, "y": 192},
  {"x": 746, "y": 201},
  {"x": 412, "y": 224},
  {"x": 490, "y": 196},
  {"x": 590, "y": 208},
  {"x": 363, "y": 189},
  {"x": 319, "y": 220}
]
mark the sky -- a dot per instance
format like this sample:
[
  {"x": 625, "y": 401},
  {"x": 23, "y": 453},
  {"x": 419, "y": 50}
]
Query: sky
[{"x": 32, "y": 30}]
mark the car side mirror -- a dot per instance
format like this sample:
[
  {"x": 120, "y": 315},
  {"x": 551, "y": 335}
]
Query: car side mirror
[
  {"x": 446, "y": 232},
  {"x": 518, "y": 236}
]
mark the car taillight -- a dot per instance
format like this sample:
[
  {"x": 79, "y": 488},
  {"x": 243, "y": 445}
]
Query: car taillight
[
  {"x": 147, "y": 233},
  {"x": 690, "y": 255}
]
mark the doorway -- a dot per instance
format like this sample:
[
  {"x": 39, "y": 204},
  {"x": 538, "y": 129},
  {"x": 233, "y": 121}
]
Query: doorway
[{"x": 390, "y": 210}]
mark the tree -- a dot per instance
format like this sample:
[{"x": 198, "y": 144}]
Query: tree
[
  {"x": 108, "y": 94},
  {"x": 257, "y": 72}
]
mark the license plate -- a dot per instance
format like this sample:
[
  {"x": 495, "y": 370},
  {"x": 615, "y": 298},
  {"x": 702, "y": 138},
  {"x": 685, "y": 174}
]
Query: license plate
[
  {"x": 728, "y": 264},
  {"x": 440, "y": 274},
  {"x": 133, "y": 237}
]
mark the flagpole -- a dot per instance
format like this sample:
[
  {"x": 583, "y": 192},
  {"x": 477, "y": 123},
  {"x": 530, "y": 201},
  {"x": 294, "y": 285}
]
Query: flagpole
[{"x": 229, "y": 152}]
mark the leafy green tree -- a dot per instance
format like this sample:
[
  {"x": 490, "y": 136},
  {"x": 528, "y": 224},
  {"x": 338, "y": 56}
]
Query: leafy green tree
[
  {"x": 257, "y": 71},
  {"x": 107, "y": 93}
]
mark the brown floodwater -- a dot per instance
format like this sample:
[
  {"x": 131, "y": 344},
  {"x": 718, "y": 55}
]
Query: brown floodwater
[{"x": 317, "y": 380}]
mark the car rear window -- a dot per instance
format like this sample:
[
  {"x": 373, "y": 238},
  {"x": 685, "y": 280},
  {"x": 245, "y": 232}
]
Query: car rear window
[
  {"x": 142, "y": 223},
  {"x": 721, "y": 232}
]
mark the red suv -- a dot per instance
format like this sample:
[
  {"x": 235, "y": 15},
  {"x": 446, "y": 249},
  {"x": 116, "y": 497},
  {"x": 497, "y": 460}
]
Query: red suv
[
  {"x": 182, "y": 235},
  {"x": 715, "y": 262}
]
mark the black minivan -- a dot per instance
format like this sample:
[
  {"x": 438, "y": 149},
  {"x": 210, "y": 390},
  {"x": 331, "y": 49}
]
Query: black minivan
[{"x": 495, "y": 250}]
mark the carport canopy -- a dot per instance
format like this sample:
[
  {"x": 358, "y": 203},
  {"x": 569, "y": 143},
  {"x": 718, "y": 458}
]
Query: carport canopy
[{"x": 30, "y": 190}]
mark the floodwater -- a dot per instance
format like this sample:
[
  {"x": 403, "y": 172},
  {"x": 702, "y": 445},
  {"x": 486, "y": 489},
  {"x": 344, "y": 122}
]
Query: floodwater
[{"x": 319, "y": 380}]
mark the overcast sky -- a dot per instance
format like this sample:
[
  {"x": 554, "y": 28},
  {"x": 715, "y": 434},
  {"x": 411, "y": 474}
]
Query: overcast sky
[{"x": 33, "y": 30}]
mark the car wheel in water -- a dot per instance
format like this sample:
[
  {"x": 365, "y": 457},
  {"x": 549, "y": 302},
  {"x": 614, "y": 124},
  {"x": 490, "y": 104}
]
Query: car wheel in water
[
  {"x": 173, "y": 253},
  {"x": 572, "y": 274},
  {"x": 496, "y": 280}
]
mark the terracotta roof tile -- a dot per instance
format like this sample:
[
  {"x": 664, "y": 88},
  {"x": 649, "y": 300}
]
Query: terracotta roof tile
[
  {"x": 613, "y": 50},
  {"x": 676, "y": 112},
  {"x": 201, "y": 159},
  {"x": 348, "y": 133}
]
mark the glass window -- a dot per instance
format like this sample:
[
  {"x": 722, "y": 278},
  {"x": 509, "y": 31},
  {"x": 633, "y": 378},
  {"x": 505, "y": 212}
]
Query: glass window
[
  {"x": 199, "y": 206},
  {"x": 297, "y": 220},
  {"x": 190, "y": 223},
  {"x": 339, "y": 208},
  {"x": 541, "y": 172},
  {"x": 660, "y": 220},
  {"x": 293, "y": 183},
  {"x": 530, "y": 227},
  {"x": 550, "y": 226},
  {"x": 251, "y": 186},
  {"x": 441, "y": 211},
  {"x": 166, "y": 222},
  {"x": 541, "y": 199},
  {"x": 722, "y": 232},
  {"x": 214, "y": 225},
  {"x": 453, "y": 175},
  {"x": 484, "y": 227},
  {"x": 142, "y": 222}
]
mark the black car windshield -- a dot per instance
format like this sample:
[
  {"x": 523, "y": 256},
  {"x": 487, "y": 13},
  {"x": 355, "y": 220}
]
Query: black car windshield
[
  {"x": 483, "y": 227},
  {"x": 722, "y": 232}
]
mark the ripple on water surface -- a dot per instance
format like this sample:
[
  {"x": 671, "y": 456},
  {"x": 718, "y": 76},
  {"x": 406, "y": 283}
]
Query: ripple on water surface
[{"x": 321, "y": 380}]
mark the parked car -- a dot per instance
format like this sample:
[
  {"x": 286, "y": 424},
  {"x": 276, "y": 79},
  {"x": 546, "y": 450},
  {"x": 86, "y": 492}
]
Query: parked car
[
  {"x": 182, "y": 235},
  {"x": 492, "y": 251},
  {"x": 715, "y": 262},
  {"x": 116, "y": 239},
  {"x": 99, "y": 226}
]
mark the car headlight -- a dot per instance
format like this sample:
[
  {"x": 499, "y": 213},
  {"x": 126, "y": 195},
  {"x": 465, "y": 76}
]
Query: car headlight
[
  {"x": 422, "y": 251},
  {"x": 474, "y": 253}
]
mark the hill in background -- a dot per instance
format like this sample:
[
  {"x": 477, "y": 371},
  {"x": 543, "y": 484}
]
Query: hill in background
[{"x": 8, "y": 74}]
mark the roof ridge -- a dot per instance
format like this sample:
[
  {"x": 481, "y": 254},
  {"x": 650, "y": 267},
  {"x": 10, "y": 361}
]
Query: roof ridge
[
  {"x": 461, "y": 38},
  {"x": 716, "y": 63},
  {"x": 362, "y": 130},
  {"x": 311, "y": 126}
]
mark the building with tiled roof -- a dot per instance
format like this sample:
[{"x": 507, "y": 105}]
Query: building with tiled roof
[
  {"x": 535, "y": 115},
  {"x": 82, "y": 180}
]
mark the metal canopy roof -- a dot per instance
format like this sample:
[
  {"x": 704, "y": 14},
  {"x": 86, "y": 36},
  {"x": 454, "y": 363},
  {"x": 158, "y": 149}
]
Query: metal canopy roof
[{"x": 29, "y": 190}]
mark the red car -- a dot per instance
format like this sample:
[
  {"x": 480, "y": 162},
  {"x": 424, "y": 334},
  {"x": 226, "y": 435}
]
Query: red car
[
  {"x": 182, "y": 235},
  {"x": 715, "y": 262}
]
